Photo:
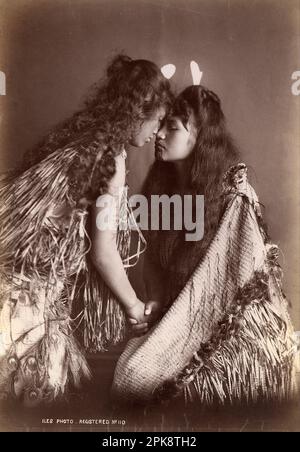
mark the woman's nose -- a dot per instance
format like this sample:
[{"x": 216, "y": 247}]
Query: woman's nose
[{"x": 161, "y": 134}]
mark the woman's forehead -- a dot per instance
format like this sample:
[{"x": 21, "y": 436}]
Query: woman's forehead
[
  {"x": 183, "y": 119},
  {"x": 161, "y": 112},
  {"x": 174, "y": 118}
]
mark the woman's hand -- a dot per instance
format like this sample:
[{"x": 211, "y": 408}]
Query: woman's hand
[
  {"x": 152, "y": 311},
  {"x": 137, "y": 318}
]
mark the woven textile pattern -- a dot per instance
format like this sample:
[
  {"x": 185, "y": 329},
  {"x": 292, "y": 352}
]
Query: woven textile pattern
[{"x": 166, "y": 353}]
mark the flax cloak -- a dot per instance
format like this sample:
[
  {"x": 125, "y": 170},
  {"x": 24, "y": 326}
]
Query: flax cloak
[
  {"x": 228, "y": 336},
  {"x": 45, "y": 273}
]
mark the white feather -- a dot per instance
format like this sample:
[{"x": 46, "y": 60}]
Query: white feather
[
  {"x": 168, "y": 70},
  {"x": 196, "y": 73}
]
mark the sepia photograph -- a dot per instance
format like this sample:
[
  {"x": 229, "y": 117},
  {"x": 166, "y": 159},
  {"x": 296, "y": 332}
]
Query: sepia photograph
[{"x": 149, "y": 216}]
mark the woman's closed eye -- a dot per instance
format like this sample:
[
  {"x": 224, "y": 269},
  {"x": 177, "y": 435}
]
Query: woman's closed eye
[{"x": 172, "y": 125}]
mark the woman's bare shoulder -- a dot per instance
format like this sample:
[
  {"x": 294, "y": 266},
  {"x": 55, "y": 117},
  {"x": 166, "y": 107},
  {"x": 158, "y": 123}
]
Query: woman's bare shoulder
[{"x": 118, "y": 180}]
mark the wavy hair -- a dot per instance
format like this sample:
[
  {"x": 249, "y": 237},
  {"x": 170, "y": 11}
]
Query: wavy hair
[{"x": 113, "y": 111}]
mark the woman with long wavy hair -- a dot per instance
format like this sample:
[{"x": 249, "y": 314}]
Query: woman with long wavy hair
[
  {"x": 60, "y": 271},
  {"x": 224, "y": 334}
]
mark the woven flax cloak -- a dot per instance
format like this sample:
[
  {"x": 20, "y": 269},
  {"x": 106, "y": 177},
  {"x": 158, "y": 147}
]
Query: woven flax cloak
[
  {"x": 45, "y": 272},
  {"x": 228, "y": 336}
]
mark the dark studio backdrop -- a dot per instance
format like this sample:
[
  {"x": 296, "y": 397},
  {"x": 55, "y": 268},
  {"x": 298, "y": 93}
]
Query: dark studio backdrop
[{"x": 53, "y": 51}]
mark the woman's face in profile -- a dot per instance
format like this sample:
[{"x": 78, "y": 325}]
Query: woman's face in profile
[
  {"x": 148, "y": 128},
  {"x": 175, "y": 141}
]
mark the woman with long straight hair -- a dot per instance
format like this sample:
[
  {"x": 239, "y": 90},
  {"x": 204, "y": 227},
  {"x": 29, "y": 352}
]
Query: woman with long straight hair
[{"x": 223, "y": 333}]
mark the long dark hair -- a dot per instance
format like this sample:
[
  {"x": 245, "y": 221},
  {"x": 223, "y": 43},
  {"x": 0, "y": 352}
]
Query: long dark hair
[
  {"x": 214, "y": 153},
  {"x": 113, "y": 111}
]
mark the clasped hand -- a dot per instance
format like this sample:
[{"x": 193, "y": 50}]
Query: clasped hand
[{"x": 141, "y": 316}]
